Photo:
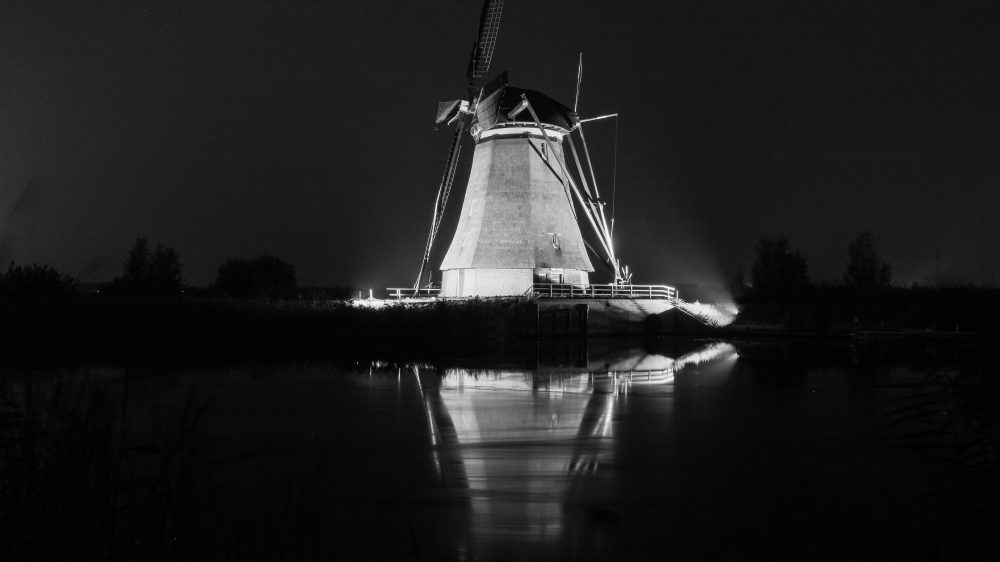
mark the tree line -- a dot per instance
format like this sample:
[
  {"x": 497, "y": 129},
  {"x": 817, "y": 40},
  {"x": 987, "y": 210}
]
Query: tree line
[
  {"x": 156, "y": 271},
  {"x": 781, "y": 273}
]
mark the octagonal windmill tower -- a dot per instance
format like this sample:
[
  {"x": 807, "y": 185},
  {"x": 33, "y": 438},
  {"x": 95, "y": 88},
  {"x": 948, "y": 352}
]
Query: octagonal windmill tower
[{"x": 519, "y": 224}]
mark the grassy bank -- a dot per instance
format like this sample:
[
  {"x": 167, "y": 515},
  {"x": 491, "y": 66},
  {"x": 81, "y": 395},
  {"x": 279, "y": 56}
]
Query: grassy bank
[
  {"x": 838, "y": 310},
  {"x": 87, "y": 329},
  {"x": 72, "y": 330}
]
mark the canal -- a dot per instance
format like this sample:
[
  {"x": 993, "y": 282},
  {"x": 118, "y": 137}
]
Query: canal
[{"x": 609, "y": 449}]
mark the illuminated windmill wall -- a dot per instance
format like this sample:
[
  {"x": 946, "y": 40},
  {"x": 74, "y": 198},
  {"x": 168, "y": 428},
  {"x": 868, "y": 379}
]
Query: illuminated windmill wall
[{"x": 517, "y": 223}]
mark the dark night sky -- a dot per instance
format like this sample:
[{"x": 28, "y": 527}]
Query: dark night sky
[{"x": 304, "y": 129}]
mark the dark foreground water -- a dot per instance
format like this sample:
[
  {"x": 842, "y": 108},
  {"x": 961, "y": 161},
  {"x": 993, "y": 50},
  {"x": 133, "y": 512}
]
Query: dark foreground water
[{"x": 614, "y": 450}]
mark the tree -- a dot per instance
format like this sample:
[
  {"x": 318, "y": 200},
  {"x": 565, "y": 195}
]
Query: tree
[
  {"x": 35, "y": 281},
  {"x": 865, "y": 269},
  {"x": 138, "y": 259},
  {"x": 779, "y": 273},
  {"x": 260, "y": 277},
  {"x": 163, "y": 272},
  {"x": 156, "y": 274}
]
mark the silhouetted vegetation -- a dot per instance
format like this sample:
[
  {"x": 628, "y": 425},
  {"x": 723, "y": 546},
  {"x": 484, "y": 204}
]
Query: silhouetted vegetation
[
  {"x": 779, "y": 273},
  {"x": 836, "y": 309},
  {"x": 948, "y": 419},
  {"x": 254, "y": 278},
  {"x": 75, "y": 487},
  {"x": 781, "y": 299},
  {"x": 156, "y": 273},
  {"x": 35, "y": 281},
  {"x": 186, "y": 330},
  {"x": 327, "y": 293},
  {"x": 865, "y": 269}
]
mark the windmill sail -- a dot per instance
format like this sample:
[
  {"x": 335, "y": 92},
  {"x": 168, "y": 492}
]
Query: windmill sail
[
  {"x": 486, "y": 40},
  {"x": 458, "y": 112}
]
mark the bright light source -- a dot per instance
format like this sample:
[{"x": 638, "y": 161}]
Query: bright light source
[
  {"x": 717, "y": 315},
  {"x": 371, "y": 303}
]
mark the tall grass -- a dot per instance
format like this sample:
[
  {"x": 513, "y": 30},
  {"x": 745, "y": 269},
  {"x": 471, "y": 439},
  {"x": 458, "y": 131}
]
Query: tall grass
[
  {"x": 179, "y": 330},
  {"x": 834, "y": 308},
  {"x": 87, "y": 475},
  {"x": 75, "y": 483},
  {"x": 950, "y": 421}
]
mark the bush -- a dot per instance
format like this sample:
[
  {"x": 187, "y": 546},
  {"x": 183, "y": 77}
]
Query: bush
[
  {"x": 779, "y": 273},
  {"x": 865, "y": 269},
  {"x": 146, "y": 274},
  {"x": 260, "y": 277},
  {"x": 35, "y": 281}
]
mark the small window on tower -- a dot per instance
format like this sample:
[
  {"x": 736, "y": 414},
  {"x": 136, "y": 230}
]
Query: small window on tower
[
  {"x": 555, "y": 240},
  {"x": 542, "y": 148}
]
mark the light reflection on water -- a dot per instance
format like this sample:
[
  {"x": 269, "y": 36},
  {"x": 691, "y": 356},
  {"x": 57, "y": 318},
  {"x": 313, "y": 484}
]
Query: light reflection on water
[
  {"x": 529, "y": 448},
  {"x": 609, "y": 452}
]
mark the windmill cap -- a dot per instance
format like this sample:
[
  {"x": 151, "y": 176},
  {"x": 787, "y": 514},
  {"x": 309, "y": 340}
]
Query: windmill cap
[{"x": 496, "y": 104}]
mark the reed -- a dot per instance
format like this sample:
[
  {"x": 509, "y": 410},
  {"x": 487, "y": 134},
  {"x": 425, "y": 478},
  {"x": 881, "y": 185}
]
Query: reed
[
  {"x": 950, "y": 421},
  {"x": 75, "y": 482},
  {"x": 187, "y": 330}
]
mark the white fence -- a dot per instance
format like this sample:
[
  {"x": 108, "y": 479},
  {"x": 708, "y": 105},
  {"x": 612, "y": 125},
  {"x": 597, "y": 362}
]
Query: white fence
[
  {"x": 566, "y": 291},
  {"x": 407, "y": 292},
  {"x": 596, "y": 291}
]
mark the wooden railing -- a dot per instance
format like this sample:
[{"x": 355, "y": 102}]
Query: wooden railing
[
  {"x": 565, "y": 291},
  {"x": 595, "y": 291},
  {"x": 407, "y": 292}
]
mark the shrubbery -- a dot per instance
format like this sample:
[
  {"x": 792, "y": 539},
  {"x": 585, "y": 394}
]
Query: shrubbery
[
  {"x": 780, "y": 273},
  {"x": 260, "y": 277},
  {"x": 865, "y": 269},
  {"x": 35, "y": 281},
  {"x": 156, "y": 273}
]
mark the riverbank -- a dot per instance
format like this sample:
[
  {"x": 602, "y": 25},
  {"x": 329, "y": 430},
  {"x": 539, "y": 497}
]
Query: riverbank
[
  {"x": 189, "y": 330},
  {"x": 962, "y": 312},
  {"x": 97, "y": 328}
]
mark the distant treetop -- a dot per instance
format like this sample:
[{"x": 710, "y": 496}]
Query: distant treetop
[
  {"x": 779, "y": 273},
  {"x": 261, "y": 277},
  {"x": 35, "y": 281},
  {"x": 865, "y": 269},
  {"x": 149, "y": 274}
]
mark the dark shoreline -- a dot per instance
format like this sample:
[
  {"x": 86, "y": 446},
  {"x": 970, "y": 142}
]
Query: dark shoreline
[
  {"x": 84, "y": 329},
  {"x": 96, "y": 328}
]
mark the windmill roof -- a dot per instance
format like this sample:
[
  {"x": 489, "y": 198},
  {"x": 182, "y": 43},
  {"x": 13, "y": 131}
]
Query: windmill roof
[{"x": 496, "y": 104}]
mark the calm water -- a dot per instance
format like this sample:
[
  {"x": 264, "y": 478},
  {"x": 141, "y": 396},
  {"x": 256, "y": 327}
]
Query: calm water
[{"x": 616, "y": 450}]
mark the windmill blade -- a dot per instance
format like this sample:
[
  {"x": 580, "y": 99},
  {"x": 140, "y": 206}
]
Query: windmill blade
[
  {"x": 486, "y": 40},
  {"x": 458, "y": 112},
  {"x": 444, "y": 191},
  {"x": 448, "y": 178},
  {"x": 579, "y": 79}
]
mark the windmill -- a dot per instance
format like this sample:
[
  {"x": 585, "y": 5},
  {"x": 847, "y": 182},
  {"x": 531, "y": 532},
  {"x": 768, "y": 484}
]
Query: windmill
[{"x": 519, "y": 222}]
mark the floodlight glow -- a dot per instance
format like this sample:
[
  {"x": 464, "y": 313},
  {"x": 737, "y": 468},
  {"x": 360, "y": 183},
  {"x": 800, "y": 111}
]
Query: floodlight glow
[
  {"x": 716, "y": 315},
  {"x": 370, "y": 303},
  {"x": 718, "y": 351}
]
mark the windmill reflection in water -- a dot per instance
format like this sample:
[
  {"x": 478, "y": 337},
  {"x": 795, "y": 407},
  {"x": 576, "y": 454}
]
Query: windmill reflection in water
[{"x": 521, "y": 451}]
